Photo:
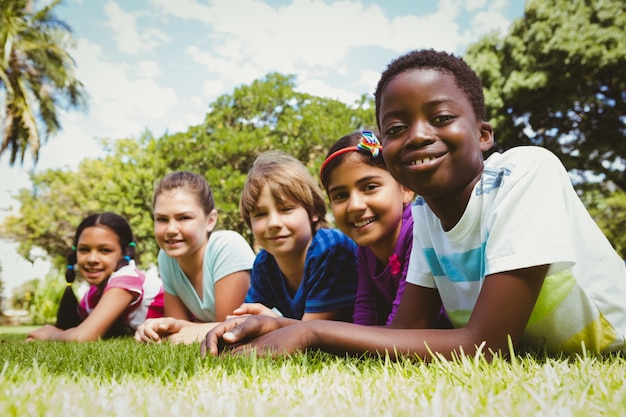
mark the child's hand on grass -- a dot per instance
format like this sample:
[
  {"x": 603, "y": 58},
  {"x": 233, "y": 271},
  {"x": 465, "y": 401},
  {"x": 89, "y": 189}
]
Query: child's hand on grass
[
  {"x": 234, "y": 333},
  {"x": 43, "y": 333},
  {"x": 154, "y": 330}
]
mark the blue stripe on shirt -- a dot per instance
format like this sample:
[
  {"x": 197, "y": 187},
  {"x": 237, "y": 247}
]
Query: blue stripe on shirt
[{"x": 458, "y": 267}]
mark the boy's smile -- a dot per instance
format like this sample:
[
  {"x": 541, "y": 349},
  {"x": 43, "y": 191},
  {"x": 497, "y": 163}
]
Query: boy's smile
[
  {"x": 281, "y": 228},
  {"x": 432, "y": 140}
]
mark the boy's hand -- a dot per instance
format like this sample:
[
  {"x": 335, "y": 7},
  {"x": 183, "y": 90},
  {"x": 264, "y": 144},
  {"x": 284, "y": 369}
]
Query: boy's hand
[{"x": 236, "y": 331}]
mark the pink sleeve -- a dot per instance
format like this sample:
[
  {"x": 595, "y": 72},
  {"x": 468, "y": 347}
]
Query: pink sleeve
[{"x": 130, "y": 282}]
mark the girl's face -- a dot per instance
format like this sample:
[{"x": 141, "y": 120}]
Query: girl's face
[
  {"x": 98, "y": 252},
  {"x": 180, "y": 225},
  {"x": 432, "y": 140},
  {"x": 284, "y": 230},
  {"x": 367, "y": 204}
]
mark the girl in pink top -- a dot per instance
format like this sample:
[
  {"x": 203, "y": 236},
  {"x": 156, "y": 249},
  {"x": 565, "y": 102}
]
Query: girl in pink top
[{"x": 120, "y": 296}]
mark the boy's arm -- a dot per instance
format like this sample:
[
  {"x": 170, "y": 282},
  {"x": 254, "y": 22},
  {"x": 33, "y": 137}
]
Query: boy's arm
[
  {"x": 502, "y": 310},
  {"x": 418, "y": 309}
]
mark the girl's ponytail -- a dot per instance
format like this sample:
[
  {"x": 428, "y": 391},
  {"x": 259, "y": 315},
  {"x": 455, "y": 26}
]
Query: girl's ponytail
[
  {"x": 129, "y": 254},
  {"x": 119, "y": 327},
  {"x": 67, "y": 315}
]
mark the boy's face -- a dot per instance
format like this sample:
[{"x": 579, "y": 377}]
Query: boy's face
[
  {"x": 284, "y": 230},
  {"x": 432, "y": 141}
]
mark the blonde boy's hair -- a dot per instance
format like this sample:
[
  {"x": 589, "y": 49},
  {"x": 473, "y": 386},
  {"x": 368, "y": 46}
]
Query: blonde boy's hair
[{"x": 287, "y": 180}]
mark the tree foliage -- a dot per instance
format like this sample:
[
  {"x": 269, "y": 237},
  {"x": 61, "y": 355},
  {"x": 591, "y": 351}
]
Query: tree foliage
[
  {"x": 267, "y": 114},
  {"x": 557, "y": 80},
  {"x": 610, "y": 214},
  {"x": 36, "y": 75},
  {"x": 59, "y": 199},
  {"x": 40, "y": 298}
]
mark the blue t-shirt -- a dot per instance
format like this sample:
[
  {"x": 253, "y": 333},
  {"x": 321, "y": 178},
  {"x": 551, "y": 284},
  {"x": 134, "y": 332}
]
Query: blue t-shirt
[
  {"x": 329, "y": 281},
  {"x": 226, "y": 252}
]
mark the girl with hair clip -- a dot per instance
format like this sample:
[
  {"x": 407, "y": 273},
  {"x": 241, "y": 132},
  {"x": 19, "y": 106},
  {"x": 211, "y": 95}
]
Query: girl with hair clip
[
  {"x": 205, "y": 272},
  {"x": 374, "y": 210},
  {"x": 120, "y": 296},
  {"x": 305, "y": 270}
]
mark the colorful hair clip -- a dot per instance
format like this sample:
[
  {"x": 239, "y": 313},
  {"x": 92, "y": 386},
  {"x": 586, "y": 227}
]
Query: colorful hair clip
[
  {"x": 127, "y": 258},
  {"x": 70, "y": 267},
  {"x": 73, "y": 247},
  {"x": 369, "y": 143},
  {"x": 132, "y": 244}
]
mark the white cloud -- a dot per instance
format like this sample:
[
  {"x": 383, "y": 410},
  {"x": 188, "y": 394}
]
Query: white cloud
[
  {"x": 149, "y": 69},
  {"x": 121, "y": 106},
  {"x": 250, "y": 38},
  {"x": 322, "y": 89},
  {"x": 487, "y": 21},
  {"x": 370, "y": 79},
  {"x": 471, "y": 5},
  {"x": 184, "y": 9},
  {"x": 16, "y": 270},
  {"x": 128, "y": 37},
  {"x": 212, "y": 88}
]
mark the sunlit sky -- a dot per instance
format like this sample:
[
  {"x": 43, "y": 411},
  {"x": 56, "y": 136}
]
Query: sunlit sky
[{"x": 158, "y": 64}]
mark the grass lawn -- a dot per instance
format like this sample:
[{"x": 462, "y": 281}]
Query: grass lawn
[{"x": 122, "y": 378}]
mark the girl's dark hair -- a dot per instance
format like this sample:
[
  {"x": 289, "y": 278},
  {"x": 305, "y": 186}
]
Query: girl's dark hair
[
  {"x": 351, "y": 139},
  {"x": 67, "y": 315},
  {"x": 465, "y": 77}
]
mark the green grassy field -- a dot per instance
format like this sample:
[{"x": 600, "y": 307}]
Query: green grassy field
[{"x": 123, "y": 378}]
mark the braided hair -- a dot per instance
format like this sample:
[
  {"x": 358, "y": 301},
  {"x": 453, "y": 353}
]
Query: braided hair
[{"x": 67, "y": 315}]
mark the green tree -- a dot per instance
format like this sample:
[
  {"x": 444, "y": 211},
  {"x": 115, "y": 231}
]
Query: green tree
[
  {"x": 610, "y": 214},
  {"x": 40, "y": 298},
  {"x": 36, "y": 76},
  {"x": 1, "y": 292},
  {"x": 58, "y": 201},
  {"x": 268, "y": 114},
  {"x": 557, "y": 80}
]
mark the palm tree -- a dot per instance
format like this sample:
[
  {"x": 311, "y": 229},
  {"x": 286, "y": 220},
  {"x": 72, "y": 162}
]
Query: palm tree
[{"x": 36, "y": 76}]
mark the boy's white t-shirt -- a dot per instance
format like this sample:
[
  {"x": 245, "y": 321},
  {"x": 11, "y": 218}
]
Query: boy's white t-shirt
[{"x": 524, "y": 212}]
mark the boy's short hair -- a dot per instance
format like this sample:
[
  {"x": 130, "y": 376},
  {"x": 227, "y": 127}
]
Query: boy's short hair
[
  {"x": 465, "y": 77},
  {"x": 287, "y": 179}
]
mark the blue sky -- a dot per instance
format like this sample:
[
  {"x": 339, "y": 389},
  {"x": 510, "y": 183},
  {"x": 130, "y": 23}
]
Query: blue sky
[{"x": 158, "y": 64}]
